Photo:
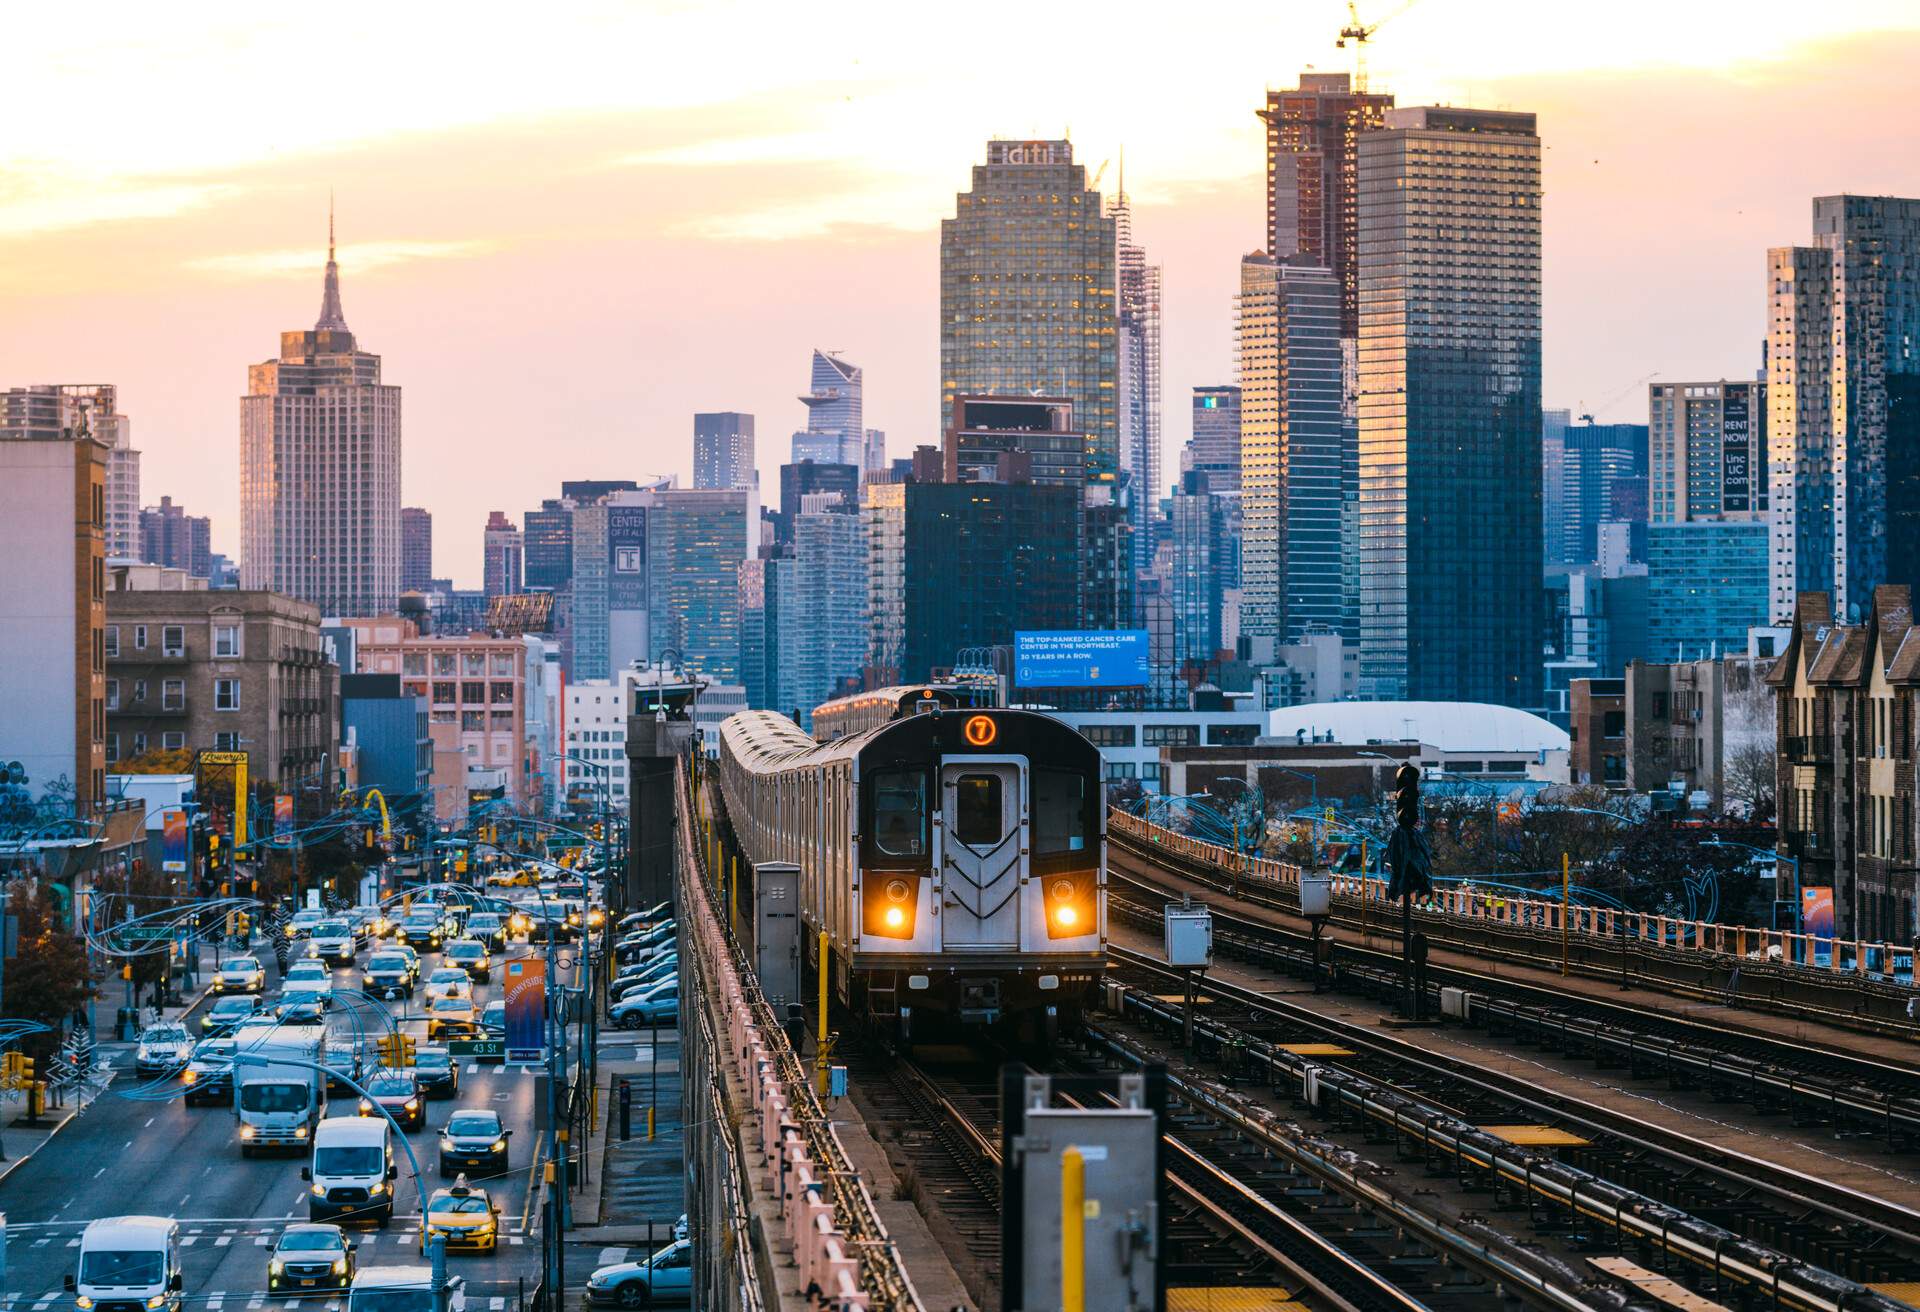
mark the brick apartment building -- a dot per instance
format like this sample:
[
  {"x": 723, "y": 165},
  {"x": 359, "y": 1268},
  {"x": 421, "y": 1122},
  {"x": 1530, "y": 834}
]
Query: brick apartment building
[
  {"x": 225, "y": 670},
  {"x": 1845, "y": 734}
]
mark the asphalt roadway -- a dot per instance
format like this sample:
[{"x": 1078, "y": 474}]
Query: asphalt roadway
[{"x": 140, "y": 1150}]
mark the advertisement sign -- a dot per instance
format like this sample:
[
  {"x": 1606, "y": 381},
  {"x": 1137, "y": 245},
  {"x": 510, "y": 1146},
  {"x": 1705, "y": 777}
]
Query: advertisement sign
[
  {"x": 526, "y": 1008},
  {"x": 1115, "y": 658},
  {"x": 173, "y": 842},
  {"x": 282, "y": 815},
  {"x": 1816, "y": 912},
  {"x": 1736, "y": 463}
]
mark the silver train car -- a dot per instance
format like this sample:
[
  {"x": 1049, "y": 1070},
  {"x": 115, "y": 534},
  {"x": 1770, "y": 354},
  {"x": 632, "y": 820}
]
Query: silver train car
[{"x": 955, "y": 859}]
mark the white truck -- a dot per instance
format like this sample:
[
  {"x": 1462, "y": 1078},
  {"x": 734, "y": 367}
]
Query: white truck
[{"x": 278, "y": 1094}]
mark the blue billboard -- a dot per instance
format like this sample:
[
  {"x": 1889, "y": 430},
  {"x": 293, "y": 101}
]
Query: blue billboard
[{"x": 1071, "y": 658}]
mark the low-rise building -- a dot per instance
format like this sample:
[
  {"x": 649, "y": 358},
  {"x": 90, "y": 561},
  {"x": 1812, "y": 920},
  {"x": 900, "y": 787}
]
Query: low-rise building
[
  {"x": 1597, "y": 733},
  {"x": 1845, "y": 744},
  {"x": 1701, "y": 728},
  {"x": 478, "y": 683},
  {"x": 229, "y": 670},
  {"x": 389, "y": 727}
]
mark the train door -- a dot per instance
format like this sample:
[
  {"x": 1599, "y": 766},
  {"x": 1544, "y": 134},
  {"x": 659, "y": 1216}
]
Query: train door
[{"x": 982, "y": 854}]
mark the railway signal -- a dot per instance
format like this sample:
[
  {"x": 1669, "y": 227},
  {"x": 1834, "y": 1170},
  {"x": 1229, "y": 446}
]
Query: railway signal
[{"x": 1412, "y": 866}]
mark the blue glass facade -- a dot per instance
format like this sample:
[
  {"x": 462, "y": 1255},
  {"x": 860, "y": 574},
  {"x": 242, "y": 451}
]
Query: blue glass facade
[{"x": 1706, "y": 586}]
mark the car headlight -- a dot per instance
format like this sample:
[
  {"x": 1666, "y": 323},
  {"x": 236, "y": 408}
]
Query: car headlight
[
  {"x": 189, "y": 1076},
  {"x": 366, "y": 1108},
  {"x": 158, "y": 1300},
  {"x": 319, "y": 1191},
  {"x": 83, "y": 1302},
  {"x": 339, "y": 1266},
  {"x": 246, "y": 1132},
  {"x": 413, "y": 1104},
  {"x": 276, "y": 1267},
  {"x": 499, "y": 1145},
  {"x": 377, "y": 1188},
  {"x": 300, "y": 1132}
]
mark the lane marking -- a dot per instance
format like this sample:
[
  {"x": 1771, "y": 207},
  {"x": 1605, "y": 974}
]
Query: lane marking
[
  {"x": 188, "y": 1241},
  {"x": 223, "y": 1241},
  {"x": 97, "y": 1174},
  {"x": 149, "y": 1124}
]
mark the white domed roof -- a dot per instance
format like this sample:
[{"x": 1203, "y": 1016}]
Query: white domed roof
[{"x": 1450, "y": 726}]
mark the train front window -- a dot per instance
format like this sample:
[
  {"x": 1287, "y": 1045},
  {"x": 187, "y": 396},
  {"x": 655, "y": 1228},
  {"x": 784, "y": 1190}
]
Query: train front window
[
  {"x": 1059, "y": 812},
  {"x": 976, "y": 810},
  {"x": 900, "y": 813}
]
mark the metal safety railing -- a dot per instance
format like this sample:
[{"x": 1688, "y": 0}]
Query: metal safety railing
[
  {"x": 1493, "y": 907},
  {"x": 843, "y": 1250}
]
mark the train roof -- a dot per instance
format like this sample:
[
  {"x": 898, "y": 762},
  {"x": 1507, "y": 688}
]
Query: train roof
[{"x": 763, "y": 740}]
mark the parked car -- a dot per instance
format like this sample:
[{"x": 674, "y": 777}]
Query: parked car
[
  {"x": 666, "y": 1277},
  {"x": 659, "y": 1005}
]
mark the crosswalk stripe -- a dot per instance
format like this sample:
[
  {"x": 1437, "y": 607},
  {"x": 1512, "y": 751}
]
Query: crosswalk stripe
[
  {"x": 73, "y": 1243},
  {"x": 260, "y": 1241},
  {"x": 496, "y": 1304},
  {"x": 42, "y": 1243},
  {"x": 224, "y": 1240},
  {"x": 187, "y": 1241},
  {"x": 516, "y": 1239}
]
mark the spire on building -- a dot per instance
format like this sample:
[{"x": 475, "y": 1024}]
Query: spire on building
[{"x": 331, "y": 315}]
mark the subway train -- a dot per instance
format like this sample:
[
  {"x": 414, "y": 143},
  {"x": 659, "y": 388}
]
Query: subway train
[
  {"x": 955, "y": 859},
  {"x": 856, "y": 713}
]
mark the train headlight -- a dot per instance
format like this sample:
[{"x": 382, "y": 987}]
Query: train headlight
[
  {"x": 889, "y": 907},
  {"x": 1070, "y": 907}
]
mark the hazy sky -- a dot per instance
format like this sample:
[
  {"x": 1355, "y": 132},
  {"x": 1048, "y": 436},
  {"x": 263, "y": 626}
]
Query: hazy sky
[{"x": 567, "y": 229}]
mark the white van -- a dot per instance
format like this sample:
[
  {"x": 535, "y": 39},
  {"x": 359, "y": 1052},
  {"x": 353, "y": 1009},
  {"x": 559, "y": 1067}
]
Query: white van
[
  {"x": 352, "y": 1173},
  {"x": 128, "y": 1264}
]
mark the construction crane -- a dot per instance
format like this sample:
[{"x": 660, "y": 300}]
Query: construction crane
[
  {"x": 1641, "y": 381},
  {"x": 1360, "y": 33}
]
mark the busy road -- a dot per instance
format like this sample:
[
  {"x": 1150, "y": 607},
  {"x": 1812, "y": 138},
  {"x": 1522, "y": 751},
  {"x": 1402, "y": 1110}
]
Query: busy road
[{"x": 141, "y": 1150}]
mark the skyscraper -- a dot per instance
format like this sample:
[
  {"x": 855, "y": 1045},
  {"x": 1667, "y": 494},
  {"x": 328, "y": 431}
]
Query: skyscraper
[
  {"x": 503, "y": 556},
  {"x": 1449, "y": 356},
  {"x": 416, "y": 549},
  {"x": 696, "y": 539},
  {"x": 123, "y": 477},
  {"x": 836, "y": 432},
  {"x": 883, "y": 508},
  {"x": 170, "y": 536},
  {"x": 546, "y": 536},
  {"x": 1139, "y": 370},
  {"x": 1291, "y": 440},
  {"x": 723, "y": 454},
  {"x": 1581, "y": 465},
  {"x": 1027, "y": 292},
  {"x": 1843, "y": 401},
  {"x": 820, "y": 609},
  {"x": 1312, "y": 176},
  {"x": 320, "y": 469},
  {"x": 1214, "y": 449},
  {"x": 1199, "y": 568},
  {"x": 1707, "y": 450}
]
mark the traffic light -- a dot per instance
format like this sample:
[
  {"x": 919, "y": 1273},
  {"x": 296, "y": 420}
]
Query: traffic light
[
  {"x": 10, "y": 1069},
  {"x": 369, "y": 832},
  {"x": 1406, "y": 795},
  {"x": 396, "y": 1050}
]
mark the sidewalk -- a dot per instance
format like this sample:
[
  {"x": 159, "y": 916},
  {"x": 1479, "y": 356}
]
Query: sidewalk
[
  {"x": 20, "y": 1141},
  {"x": 637, "y": 1189}
]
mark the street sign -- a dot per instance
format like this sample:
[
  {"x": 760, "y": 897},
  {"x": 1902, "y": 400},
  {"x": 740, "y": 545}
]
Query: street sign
[
  {"x": 526, "y": 1056},
  {"x": 144, "y": 933},
  {"x": 477, "y": 1047}
]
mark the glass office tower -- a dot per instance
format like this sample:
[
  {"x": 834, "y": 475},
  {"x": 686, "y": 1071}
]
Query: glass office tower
[{"x": 1450, "y": 523}]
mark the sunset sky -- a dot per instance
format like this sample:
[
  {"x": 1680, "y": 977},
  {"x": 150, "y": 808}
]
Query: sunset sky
[{"x": 568, "y": 227}]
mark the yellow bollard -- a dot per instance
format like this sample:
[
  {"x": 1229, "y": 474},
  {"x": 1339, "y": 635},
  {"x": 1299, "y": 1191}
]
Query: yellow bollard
[
  {"x": 1073, "y": 1231},
  {"x": 649, "y": 1124}
]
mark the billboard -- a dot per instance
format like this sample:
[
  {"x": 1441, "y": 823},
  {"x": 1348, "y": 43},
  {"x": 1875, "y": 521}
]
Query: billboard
[
  {"x": 1816, "y": 912},
  {"x": 526, "y": 1009},
  {"x": 282, "y": 815},
  {"x": 1736, "y": 465},
  {"x": 1071, "y": 658},
  {"x": 173, "y": 842}
]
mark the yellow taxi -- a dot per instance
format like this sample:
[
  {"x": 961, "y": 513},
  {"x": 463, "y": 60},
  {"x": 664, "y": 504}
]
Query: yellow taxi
[{"x": 465, "y": 1215}]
